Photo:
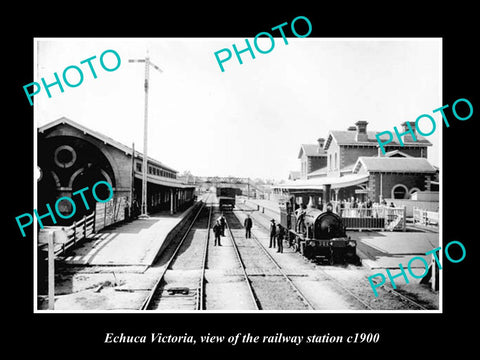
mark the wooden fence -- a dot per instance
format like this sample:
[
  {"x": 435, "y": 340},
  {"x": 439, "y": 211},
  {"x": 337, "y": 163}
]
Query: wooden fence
[
  {"x": 375, "y": 218},
  {"x": 425, "y": 217},
  {"x": 67, "y": 236},
  {"x": 105, "y": 214}
]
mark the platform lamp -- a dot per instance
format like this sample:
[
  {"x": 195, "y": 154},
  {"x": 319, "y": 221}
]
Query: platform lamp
[{"x": 148, "y": 63}]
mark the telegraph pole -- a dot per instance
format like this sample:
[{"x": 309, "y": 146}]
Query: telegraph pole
[{"x": 148, "y": 63}]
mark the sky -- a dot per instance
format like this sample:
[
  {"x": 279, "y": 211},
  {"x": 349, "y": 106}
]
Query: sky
[{"x": 250, "y": 120}]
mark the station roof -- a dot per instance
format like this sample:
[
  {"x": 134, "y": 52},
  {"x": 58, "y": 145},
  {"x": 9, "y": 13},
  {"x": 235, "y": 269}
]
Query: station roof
[
  {"x": 107, "y": 140},
  {"x": 318, "y": 183},
  {"x": 165, "y": 181},
  {"x": 346, "y": 137},
  {"x": 311, "y": 150},
  {"x": 394, "y": 164}
]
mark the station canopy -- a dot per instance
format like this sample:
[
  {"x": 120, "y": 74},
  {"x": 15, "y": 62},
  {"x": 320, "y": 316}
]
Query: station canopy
[{"x": 319, "y": 183}]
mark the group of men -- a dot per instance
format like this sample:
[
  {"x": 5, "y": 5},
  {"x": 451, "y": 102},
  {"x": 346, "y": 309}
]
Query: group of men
[{"x": 277, "y": 232}]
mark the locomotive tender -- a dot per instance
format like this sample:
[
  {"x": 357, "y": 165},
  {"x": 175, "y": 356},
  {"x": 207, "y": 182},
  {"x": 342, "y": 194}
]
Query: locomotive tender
[{"x": 318, "y": 234}]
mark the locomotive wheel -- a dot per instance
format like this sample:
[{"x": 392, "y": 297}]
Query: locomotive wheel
[{"x": 331, "y": 260}]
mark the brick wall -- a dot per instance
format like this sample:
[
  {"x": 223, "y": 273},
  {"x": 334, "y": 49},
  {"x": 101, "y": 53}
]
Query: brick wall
[
  {"x": 349, "y": 155},
  {"x": 390, "y": 180},
  {"x": 317, "y": 162}
]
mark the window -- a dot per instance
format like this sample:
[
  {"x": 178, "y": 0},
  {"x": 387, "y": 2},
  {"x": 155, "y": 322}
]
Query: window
[
  {"x": 336, "y": 163},
  {"x": 399, "y": 191},
  {"x": 139, "y": 166},
  {"x": 65, "y": 156}
]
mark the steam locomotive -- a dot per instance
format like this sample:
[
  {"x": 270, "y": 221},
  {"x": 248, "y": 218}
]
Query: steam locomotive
[{"x": 318, "y": 234}]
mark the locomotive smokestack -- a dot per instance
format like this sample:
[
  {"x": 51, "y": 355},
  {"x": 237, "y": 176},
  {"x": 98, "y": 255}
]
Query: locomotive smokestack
[
  {"x": 326, "y": 195},
  {"x": 310, "y": 202}
]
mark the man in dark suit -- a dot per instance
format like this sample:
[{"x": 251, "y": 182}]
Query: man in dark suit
[
  {"x": 273, "y": 233},
  {"x": 248, "y": 227},
  {"x": 280, "y": 236},
  {"x": 217, "y": 230}
]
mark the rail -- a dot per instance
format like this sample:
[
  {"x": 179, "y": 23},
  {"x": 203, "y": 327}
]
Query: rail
[
  {"x": 279, "y": 268},
  {"x": 148, "y": 300},
  {"x": 351, "y": 293},
  {"x": 253, "y": 297},
  {"x": 201, "y": 285},
  {"x": 285, "y": 276}
]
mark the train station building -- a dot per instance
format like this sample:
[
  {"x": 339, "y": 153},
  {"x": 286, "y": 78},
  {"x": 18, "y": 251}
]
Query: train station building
[
  {"x": 349, "y": 163},
  {"x": 71, "y": 157}
]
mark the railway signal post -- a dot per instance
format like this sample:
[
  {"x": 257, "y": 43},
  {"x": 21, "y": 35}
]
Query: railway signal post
[{"x": 148, "y": 63}]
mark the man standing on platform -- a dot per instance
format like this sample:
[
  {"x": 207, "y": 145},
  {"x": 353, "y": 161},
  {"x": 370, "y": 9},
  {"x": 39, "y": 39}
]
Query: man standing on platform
[
  {"x": 217, "y": 230},
  {"x": 223, "y": 222},
  {"x": 248, "y": 227},
  {"x": 273, "y": 233},
  {"x": 280, "y": 236}
]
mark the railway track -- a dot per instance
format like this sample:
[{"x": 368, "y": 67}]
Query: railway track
[
  {"x": 252, "y": 295},
  {"x": 390, "y": 290},
  {"x": 258, "y": 278},
  {"x": 182, "y": 280},
  {"x": 357, "y": 294},
  {"x": 190, "y": 295},
  {"x": 262, "y": 272}
]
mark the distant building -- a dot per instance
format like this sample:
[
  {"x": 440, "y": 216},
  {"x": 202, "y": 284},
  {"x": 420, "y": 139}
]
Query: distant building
[
  {"x": 350, "y": 164},
  {"x": 294, "y": 175},
  {"x": 312, "y": 157}
]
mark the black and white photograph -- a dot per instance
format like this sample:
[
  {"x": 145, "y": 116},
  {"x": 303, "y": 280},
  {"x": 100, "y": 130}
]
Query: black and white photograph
[
  {"x": 221, "y": 183},
  {"x": 279, "y": 196}
]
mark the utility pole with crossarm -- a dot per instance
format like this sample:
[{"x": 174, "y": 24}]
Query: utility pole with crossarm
[{"x": 148, "y": 63}]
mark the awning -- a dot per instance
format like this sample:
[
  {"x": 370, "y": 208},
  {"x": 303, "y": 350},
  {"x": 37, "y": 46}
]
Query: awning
[
  {"x": 319, "y": 183},
  {"x": 174, "y": 183}
]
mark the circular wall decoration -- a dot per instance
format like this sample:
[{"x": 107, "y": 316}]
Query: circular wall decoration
[{"x": 65, "y": 156}]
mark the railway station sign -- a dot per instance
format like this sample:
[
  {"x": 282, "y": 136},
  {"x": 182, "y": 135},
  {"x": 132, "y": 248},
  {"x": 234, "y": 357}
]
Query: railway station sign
[{"x": 361, "y": 191}]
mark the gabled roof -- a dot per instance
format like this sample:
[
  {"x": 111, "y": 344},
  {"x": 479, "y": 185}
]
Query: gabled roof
[
  {"x": 394, "y": 153},
  {"x": 311, "y": 150},
  {"x": 345, "y": 137},
  {"x": 107, "y": 140},
  {"x": 398, "y": 165}
]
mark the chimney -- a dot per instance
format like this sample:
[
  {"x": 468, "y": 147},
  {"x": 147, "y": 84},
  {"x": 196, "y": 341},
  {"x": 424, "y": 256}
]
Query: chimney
[
  {"x": 361, "y": 131},
  {"x": 408, "y": 136},
  {"x": 321, "y": 142},
  {"x": 352, "y": 128}
]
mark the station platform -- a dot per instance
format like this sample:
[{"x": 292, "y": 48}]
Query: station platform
[
  {"x": 386, "y": 250},
  {"x": 268, "y": 207},
  {"x": 135, "y": 243}
]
